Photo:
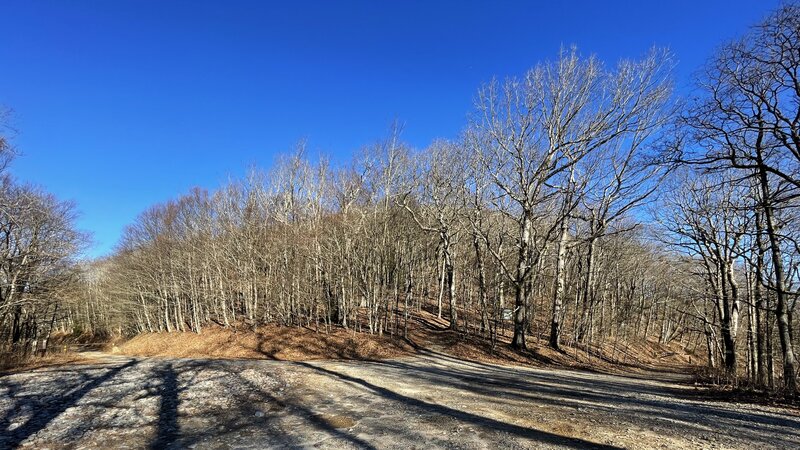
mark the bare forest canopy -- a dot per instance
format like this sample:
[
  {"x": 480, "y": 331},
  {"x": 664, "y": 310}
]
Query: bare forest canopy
[{"x": 583, "y": 203}]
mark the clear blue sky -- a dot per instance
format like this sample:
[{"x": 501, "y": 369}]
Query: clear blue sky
[{"x": 123, "y": 104}]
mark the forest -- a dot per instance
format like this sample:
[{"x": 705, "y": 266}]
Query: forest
[{"x": 584, "y": 203}]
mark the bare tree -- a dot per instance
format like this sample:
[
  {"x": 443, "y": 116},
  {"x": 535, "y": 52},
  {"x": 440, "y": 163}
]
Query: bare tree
[
  {"x": 540, "y": 126},
  {"x": 438, "y": 190},
  {"x": 748, "y": 120},
  {"x": 708, "y": 217},
  {"x": 38, "y": 244}
]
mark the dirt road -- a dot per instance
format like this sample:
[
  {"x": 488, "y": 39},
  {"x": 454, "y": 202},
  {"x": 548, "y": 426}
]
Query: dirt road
[{"x": 425, "y": 401}]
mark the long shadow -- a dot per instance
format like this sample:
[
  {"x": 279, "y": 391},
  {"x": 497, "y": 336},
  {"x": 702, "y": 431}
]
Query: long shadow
[
  {"x": 484, "y": 422},
  {"x": 46, "y": 413},
  {"x": 168, "y": 431},
  {"x": 573, "y": 390},
  {"x": 246, "y": 408},
  {"x": 616, "y": 386},
  {"x": 310, "y": 416},
  {"x": 662, "y": 375}
]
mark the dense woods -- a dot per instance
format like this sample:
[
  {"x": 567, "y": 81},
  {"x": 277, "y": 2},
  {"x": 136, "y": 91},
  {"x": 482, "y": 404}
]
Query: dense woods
[
  {"x": 584, "y": 200},
  {"x": 39, "y": 275}
]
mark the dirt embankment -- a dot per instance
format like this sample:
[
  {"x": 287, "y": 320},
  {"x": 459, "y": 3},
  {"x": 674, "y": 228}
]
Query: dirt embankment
[
  {"x": 266, "y": 342},
  {"x": 425, "y": 331},
  {"x": 613, "y": 356},
  {"x": 62, "y": 348},
  {"x": 11, "y": 364}
]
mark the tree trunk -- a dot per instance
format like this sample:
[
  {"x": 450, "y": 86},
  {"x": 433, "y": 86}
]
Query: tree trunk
[
  {"x": 520, "y": 300},
  {"x": 558, "y": 295},
  {"x": 781, "y": 311}
]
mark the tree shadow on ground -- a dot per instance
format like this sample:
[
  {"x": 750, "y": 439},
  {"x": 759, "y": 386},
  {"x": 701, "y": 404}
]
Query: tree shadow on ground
[
  {"x": 47, "y": 407},
  {"x": 179, "y": 376},
  {"x": 257, "y": 405},
  {"x": 257, "y": 413},
  {"x": 167, "y": 425},
  {"x": 463, "y": 416},
  {"x": 632, "y": 400},
  {"x": 313, "y": 418}
]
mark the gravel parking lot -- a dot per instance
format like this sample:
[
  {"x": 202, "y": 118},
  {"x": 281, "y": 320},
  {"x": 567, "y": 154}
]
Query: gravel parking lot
[{"x": 426, "y": 401}]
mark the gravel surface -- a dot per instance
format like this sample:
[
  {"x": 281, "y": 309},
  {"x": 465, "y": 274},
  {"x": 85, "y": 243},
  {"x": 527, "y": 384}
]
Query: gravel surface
[{"x": 425, "y": 401}]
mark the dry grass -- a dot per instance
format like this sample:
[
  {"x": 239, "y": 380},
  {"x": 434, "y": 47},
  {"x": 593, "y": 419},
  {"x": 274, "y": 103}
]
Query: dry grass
[
  {"x": 10, "y": 364},
  {"x": 425, "y": 331},
  {"x": 430, "y": 331},
  {"x": 339, "y": 421},
  {"x": 266, "y": 342}
]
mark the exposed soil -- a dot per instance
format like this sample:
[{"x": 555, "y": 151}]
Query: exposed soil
[
  {"x": 9, "y": 365},
  {"x": 431, "y": 332},
  {"x": 425, "y": 331},
  {"x": 430, "y": 400},
  {"x": 267, "y": 342}
]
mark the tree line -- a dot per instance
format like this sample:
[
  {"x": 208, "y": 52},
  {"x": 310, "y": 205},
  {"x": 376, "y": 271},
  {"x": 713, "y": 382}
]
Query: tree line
[
  {"x": 587, "y": 201},
  {"x": 39, "y": 272}
]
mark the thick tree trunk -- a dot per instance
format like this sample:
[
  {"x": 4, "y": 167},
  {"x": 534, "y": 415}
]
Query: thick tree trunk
[
  {"x": 558, "y": 295},
  {"x": 781, "y": 312},
  {"x": 518, "y": 342},
  {"x": 587, "y": 294},
  {"x": 451, "y": 295},
  {"x": 728, "y": 336},
  {"x": 761, "y": 366},
  {"x": 520, "y": 298},
  {"x": 476, "y": 242},
  {"x": 710, "y": 346},
  {"x": 441, "y": 289}
]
